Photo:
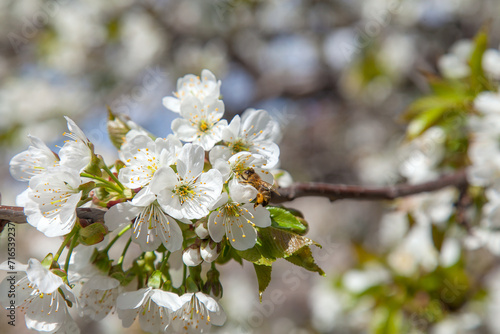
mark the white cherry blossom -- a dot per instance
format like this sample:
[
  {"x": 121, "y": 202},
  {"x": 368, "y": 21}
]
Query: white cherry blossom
[
  {"x": 189, "y": 192},
  {"x": 151, "y": 225},
  {"x": 35, "y": 160},
  {"x": 197, "y": 315},
  {"x": 236, "y": 221},
  {"x": 201, "y": 122},
  {"x": 153, "y": 306},
  {"x": 234, "y": 165},
  {"x": 254, "y": 132},
  {"x": 191, "y": 256},
  {"x": 98, "y": 296},
  {"x": 41, "y": 296},
  {"x": 206, "y": 87},
  {"x": 484, "y": 149},
  {"x": 52, "y": 199},
  {"x": 143, "y": 156},
  {"x": 491, "y": 63},
  {"x": 75, "y": 153},
  {"x": 454, "y": 64}
]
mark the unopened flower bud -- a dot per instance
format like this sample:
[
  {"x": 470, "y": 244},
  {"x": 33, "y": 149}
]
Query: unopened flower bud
[
  {"x": 191, "y": 256},
  {"x": 213, "y": 286},
  {"x": 210, "y": 250},
  {"x": 201, "y": 229}
]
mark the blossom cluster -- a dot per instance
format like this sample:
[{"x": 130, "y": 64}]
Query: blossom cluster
[{"x": 187, "y": 196}]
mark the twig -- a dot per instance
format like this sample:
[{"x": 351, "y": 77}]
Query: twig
[
  {"x": 16, "y": 215},
  {"x": 340, "y": 191},
  {"x": 332, "y": 191},
  {"x": 463, "y": 202}
]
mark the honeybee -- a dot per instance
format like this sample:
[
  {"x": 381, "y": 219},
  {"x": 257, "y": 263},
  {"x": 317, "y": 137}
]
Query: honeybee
[{"x": 249, "y": 176}]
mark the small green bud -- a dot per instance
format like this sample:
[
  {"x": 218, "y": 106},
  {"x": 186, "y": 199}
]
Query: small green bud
[{"x": 213, "y": 286}]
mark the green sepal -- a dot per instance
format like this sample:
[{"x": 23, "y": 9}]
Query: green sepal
[
  {"x": 92, "y": 234},
  {"x": 117, "y": 272},
  {"x": 93, "y": 167},
  {"x": 48, "y": 261},
  {"x": 101, "y": 260},
  {"x": 86, "y": 188},
  {"x": 66, "y": 299},
  {"x": 61, "y": 273},
  {"x": 263, "y": 278},
  {"x": 286, "y": 219},
  {"x": 213, "y": 286},
  {"x": 155, "y": 280},
  {"x": 119, "y": 165}
]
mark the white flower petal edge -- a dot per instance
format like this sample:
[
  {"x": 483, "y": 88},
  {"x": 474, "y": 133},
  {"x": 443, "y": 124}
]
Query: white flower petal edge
[
  {"x": 98, "y": 296},
  {"x": 151, "y": 225},
  {"x": 52, "y": 200},
  {"x": 190, "y": 192},
  {"x": 237, "y": 222},
  {"x": 201, "y": 122},
  {"x": 143, "y": 157},
  {"x": 75, "y": 153},
  {"x": 38, "y": 295},
  {"x": 193, "y": 86},
  {"x": 153, "y": 306},
  {"x": 197, "y": 314},
  {"x": 254, "y": 132},
  {"x": 35, "y": 160}
]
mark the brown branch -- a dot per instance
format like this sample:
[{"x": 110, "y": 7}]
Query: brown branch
[
  {"x": 16, "y": 215},
  {"x": 332, "y": 191},
  {"x": 340, "y": 191}
]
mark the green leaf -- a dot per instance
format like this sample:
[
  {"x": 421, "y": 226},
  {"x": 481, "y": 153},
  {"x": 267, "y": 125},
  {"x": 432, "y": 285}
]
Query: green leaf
[
  {"x": 303, "y": 258},
  {"x": 437, "y": 237},
  {"x": 263, "y": 277},
  {"x": 286, "y": 220},
  {"x": 277, "y": 243},
  {"x": 387, "y": 321},
  {"x": 255, "y": 256},
  {"x": 476, "y": 60},
  {"x": 272, "y": 244},
  {"x": 424, "y": 121}
]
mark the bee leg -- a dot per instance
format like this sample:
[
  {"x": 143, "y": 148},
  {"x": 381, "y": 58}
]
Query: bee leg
[{"x": 259, "y": 200}]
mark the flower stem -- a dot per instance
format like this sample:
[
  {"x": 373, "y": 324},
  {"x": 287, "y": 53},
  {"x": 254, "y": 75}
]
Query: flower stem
[
  {"x": 184, "y": 275},
  {"x": 66, "y": 241},
  {"x": 111, "y": 175},
  {"x": 105, "y": 182},
  {"x": 70, "y": 251},
  {"x": 120, "y": 260},
  {"x": 112, "y": 242},
  {"x": 164, "y": 260}
]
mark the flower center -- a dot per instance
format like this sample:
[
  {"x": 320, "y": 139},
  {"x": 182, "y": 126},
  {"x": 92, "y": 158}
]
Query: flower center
[
  {"x": 239, "y": 146},
  {"x": 232, "y": 210},
  {"x": 184, "y": 191},
  {"x": 204, "y": 125}
]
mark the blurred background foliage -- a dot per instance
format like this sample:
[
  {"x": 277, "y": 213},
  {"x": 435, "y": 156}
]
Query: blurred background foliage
[{"x": 338, "y": 74}]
